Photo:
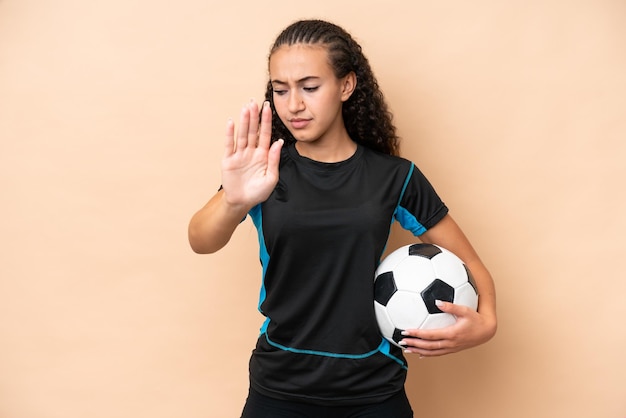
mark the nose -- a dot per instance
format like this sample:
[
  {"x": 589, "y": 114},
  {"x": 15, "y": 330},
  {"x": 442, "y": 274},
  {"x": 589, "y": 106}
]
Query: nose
[{"x": 295, "y": 103}]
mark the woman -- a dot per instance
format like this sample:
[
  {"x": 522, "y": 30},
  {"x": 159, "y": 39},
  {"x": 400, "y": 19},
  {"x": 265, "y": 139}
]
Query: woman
[{"x": 320, "y": 177}]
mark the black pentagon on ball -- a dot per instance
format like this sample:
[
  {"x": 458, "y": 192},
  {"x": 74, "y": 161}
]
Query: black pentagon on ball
[
  {"x": 384, "y": 287},
  {"x": 437, "y": 290},
  {"x": 424, "y": 250},
  {"x": 397, "y": 335}
]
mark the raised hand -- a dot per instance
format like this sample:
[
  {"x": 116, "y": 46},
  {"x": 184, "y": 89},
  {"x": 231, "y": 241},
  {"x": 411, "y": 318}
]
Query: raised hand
[
  {"x": 250, "y": 164},
  {"x": 249, "y": 174}
]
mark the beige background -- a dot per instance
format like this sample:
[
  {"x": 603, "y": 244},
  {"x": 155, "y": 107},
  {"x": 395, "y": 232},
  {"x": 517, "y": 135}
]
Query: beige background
[{"x": 111, "y": 122}]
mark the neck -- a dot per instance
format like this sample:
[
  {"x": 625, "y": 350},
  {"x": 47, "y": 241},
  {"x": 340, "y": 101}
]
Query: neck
[{"x": 334, "y": 152}]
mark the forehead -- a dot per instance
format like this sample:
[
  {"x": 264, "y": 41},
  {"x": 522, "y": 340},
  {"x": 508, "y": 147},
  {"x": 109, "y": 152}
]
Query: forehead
[{"x": 298, "y": 61}]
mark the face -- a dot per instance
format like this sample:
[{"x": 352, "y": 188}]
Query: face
[{"x": 307, "y": 95}]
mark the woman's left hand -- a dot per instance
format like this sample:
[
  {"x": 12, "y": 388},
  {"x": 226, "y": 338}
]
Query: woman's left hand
[{"x": 471, "y": 329}]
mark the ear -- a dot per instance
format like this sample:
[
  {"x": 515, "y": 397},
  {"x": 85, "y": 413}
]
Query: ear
[{"x": 348, "y": 84}]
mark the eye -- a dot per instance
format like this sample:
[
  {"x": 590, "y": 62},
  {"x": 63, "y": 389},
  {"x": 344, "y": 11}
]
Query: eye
[
  {"x": 310, "y": 89},
  {"x": 279, "y": 92}
]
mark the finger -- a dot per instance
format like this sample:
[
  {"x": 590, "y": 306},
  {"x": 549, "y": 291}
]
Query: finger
[
  {"x": 229, "y": 144},
  {"x": 273, "y": 158},
  {"x": 242, "y": 133},
  {"x": 451, "y": 308},
  {"x": 265, "y": 133},
  {"x": 419, "y": 344},
  {"x": 427, "y": 348},
  {"x": 436, "y": 334},
  {"x": 426, "y": 354},
  {"x": 253, "y": 128}
]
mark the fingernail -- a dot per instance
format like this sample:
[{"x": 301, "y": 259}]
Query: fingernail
[
  {"x": 402, "y": 342},
  {"x": 438, "y": 302},
  {"x": 266, "y": 104},
  {"x": 404, "y": 333}
]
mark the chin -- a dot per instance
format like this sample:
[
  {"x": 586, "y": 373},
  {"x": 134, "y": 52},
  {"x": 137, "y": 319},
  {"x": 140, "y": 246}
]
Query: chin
[{"x": 303, "y": 138}]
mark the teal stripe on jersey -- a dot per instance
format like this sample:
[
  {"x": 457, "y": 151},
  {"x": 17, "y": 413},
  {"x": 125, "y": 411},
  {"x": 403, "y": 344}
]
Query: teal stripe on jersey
[
  {"x": 322, "y": 353},
  {"x": 409, "y": 221},
  {"x": 257, "y": 218},
  {"x": 385, "y": 348},
  {"x": 406, "y": 183},
  {"x": 406, "y": 218}
]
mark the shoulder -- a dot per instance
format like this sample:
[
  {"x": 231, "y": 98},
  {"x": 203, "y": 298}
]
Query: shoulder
[{"x": 387, "y": 161}]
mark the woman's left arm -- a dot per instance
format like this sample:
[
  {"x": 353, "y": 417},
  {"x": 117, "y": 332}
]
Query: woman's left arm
[{"x": 472, "y": 328}]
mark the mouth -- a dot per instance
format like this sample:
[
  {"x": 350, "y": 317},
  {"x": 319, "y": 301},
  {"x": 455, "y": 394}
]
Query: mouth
[{"x": 298, "y": 123}]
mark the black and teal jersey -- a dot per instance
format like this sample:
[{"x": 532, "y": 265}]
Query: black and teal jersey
[{"x": 322, "y": 233}]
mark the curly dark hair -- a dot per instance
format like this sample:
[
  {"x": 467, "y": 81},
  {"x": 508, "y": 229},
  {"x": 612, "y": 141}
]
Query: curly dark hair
[{"x": 366, "y": 115}]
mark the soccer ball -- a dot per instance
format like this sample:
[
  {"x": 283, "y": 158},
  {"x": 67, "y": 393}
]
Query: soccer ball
[{"x": 409, "y": 280}]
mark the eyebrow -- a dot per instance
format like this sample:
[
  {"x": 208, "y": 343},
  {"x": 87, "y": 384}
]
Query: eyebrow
[{"x": 302, "y": 80}]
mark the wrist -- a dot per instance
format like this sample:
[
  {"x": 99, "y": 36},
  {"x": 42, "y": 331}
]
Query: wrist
[{"x": 235, "y": 209}]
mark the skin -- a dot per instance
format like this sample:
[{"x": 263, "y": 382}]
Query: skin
[{"x": 308, "y": 98}]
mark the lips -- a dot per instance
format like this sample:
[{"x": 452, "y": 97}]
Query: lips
[{"x": 298, "y": 123}]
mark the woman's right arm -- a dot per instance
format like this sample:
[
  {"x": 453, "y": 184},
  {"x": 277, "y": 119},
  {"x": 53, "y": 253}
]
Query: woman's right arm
[
  {"x": 249, "y": 175},
  {"x": 212, "y": 226}
]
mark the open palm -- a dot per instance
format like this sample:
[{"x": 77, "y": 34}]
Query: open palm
[{"x": 250, "y": 164}]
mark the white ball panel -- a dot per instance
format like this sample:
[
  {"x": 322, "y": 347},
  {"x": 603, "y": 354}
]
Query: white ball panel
[
  {"x": 406, "y": 310},
  {"x": 391, "y": 260},
  {"x": 466, "y": 295},
  {"x": 414, "y": 273},
  {"x": 439, "y": 320},
  {"x": 449, "y": 268},
  {"x": 384, "y": 322}
]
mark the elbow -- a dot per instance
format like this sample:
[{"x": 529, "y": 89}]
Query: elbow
[
  {"x": 201, "y": 247},
  {"x": 197, "y": 244},
  {"x": 201, "y": 244},
  {"x": 200, "y": 250}
]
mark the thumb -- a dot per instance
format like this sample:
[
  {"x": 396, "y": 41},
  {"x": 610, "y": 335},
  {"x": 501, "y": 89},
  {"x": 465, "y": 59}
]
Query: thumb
[{"x": 273, "y": 158}]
